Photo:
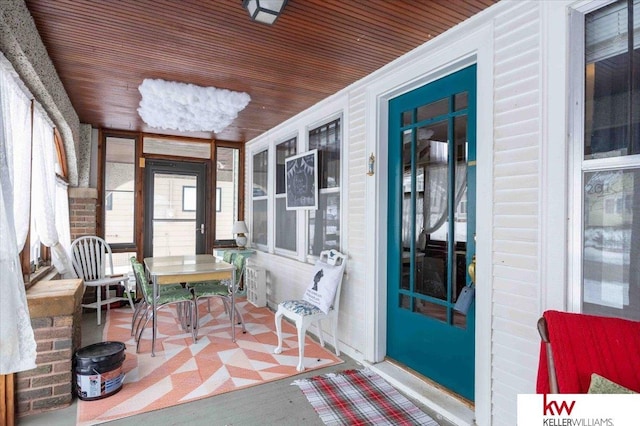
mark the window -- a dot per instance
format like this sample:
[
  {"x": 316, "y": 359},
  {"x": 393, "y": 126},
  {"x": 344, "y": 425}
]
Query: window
[
  {"x": 259, "y": 195},
  {"x": 189, "y": 198},
  {"x": 228, "y": 200},
  {"x": 286, "y": 220},
  {"x": 275, "y": 228},
  {"x": 119, "y": 191},
  {"x": 610, "y": 162},
  {"x": 324, "y": 223},
  {"x": 36, "y": 171}
]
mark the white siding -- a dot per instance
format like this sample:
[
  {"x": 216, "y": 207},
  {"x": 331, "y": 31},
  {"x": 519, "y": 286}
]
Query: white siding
[
  {"x": 517, "y": 127},
  {"x": 353, "y": 308}
]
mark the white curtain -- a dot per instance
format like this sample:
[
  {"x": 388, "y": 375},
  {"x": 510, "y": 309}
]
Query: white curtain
[
  {"x": 432, "y": 195},
  {"x": 16, "y": 110},
  {"x": 17, "y": 342},
  {"x": 43, "y": 190},
  {"x": 62, "y": 224},
  {"x": 436, "y": 207}
]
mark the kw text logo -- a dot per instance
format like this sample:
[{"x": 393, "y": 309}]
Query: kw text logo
[{"x": 552, "y": 408}]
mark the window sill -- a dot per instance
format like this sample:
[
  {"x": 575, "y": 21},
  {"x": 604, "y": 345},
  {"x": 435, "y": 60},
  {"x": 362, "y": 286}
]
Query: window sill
[{"x": 44, "y": 273}]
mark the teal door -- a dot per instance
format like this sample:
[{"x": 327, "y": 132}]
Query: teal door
[{"x": 431, "y": 233}]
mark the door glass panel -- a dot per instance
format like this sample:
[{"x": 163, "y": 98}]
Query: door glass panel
[
  {"x": 434, "y": 109},
  {"x": 405, "y": 301},
  {"x": 432, "y": 310},
  {"x": 461, "y": 101},
  {"x": 432, "y": 212},
  {"x": 408, "y": 211},
  {"x": 460, "y": 212},
  {"x": 431, "y": 199},
  {"x": 407, "y": 117},
  {"x": 174, "y": 214},
  {"x": 611, "y": 258}
]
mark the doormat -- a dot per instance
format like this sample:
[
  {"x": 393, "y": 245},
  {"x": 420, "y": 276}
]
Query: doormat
[
  {"x": 360, "y": 397},
  {"x": 183, "y": 371}
]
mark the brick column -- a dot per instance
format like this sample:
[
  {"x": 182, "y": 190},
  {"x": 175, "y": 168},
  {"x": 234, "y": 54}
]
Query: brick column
[
  {"x": 55, "y": 312},
  {"x": 82, "y": 221},
  {"x": 82, "y": 211}
]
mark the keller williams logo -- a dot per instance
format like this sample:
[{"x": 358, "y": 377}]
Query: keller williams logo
[{"x": 552, "y": 408}]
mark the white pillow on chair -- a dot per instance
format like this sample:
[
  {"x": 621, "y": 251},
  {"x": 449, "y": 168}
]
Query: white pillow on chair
[{"x": 324, "y": 282}]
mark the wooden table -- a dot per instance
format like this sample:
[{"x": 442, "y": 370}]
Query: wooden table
[{"x": 189, "y": 268}]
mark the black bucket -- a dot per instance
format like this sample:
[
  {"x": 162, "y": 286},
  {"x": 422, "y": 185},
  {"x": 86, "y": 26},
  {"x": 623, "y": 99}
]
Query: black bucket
[{"x": 98, "y": 370}]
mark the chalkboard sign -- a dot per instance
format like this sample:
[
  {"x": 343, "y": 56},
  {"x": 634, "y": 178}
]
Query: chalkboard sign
[{"x": 302, "y": 181}]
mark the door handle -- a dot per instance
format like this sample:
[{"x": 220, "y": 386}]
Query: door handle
[
  {"x": 472, "y": 269},
  {"x": 201, "y": 229}
]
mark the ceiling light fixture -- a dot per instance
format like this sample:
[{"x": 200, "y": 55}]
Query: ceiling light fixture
[
  {"x": 187, "y": 107},
  {"x": 265, "y": 11}
]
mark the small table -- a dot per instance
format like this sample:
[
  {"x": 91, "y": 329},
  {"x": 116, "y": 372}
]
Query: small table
[{"x": 178, "y": 269}]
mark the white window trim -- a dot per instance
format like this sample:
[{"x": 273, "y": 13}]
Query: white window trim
[
  {"x": 276, "y": 250},
  {"x": 577, "y": 165},
  {"x": 268, "y": 143},
  {"x": 254, "y": 152},
  {"x": 343, "y": 174}
]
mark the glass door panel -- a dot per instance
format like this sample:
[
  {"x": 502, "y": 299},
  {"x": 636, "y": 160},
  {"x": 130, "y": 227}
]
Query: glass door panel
[{"x": 174, "y": 208}]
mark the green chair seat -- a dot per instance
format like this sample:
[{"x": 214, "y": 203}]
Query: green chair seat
[
  {"x": 171, "y": 294},
  {"x": 221, "y": 288}
]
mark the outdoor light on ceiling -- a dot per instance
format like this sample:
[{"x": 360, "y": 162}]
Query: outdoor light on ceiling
[{"x": 265, "y": 11}]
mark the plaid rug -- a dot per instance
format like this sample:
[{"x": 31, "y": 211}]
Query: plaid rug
[{"x": 360, "y": 397}]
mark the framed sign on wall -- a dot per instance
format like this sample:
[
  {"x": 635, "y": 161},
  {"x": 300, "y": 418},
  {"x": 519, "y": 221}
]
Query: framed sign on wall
[{"x": 302, "y": 181}]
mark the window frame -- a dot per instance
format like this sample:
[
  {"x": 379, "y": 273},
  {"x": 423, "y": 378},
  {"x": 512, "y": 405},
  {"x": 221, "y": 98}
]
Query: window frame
[
  {"x": 267, "y": 197},
  {"x": 43, "y": 270},
  {"x": 578, "y": 165},
  {"x": 211, "y": 242},
  {"x": 283, "y": 196},
  {"x": 101, "y": 210},
  {"x": 302, "y": 216},
  {"x": 213, "y": 199},
  {"x": 329, "y": 190}
]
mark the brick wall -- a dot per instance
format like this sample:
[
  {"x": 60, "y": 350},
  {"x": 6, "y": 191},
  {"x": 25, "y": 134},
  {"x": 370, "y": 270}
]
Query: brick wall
[
  {"x": 82, "y": 211},
  {"x": 82, "y": 221},
  {"x": 55, "y": 317}
]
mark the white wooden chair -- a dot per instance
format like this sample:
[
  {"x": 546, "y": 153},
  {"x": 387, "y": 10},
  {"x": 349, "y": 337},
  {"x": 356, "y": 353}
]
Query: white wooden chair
[
  {"x": 304, "y": 312},
  {"x": 91, "y": 258}
]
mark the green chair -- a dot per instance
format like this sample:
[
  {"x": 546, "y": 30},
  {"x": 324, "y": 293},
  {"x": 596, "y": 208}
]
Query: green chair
[
  {"x": 141, "y": 305},
  {"x": 181, "y": 297},
  {"x": 221, "y": 289}
]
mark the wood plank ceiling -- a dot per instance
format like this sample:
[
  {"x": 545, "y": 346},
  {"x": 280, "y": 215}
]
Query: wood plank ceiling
[{"x": 103, "y": 50}]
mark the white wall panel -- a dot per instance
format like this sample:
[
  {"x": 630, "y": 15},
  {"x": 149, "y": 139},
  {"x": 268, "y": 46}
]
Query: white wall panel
[
  {"x": 517, "y": 86},
  {"x": 353, "y": 307}
]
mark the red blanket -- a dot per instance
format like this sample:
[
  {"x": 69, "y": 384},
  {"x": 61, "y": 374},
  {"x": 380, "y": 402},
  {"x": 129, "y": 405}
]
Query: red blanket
[{"x": 585, "y": 344}]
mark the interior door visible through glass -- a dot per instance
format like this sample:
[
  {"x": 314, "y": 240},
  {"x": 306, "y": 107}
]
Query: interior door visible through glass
[{"x": 175, "y": 212}]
